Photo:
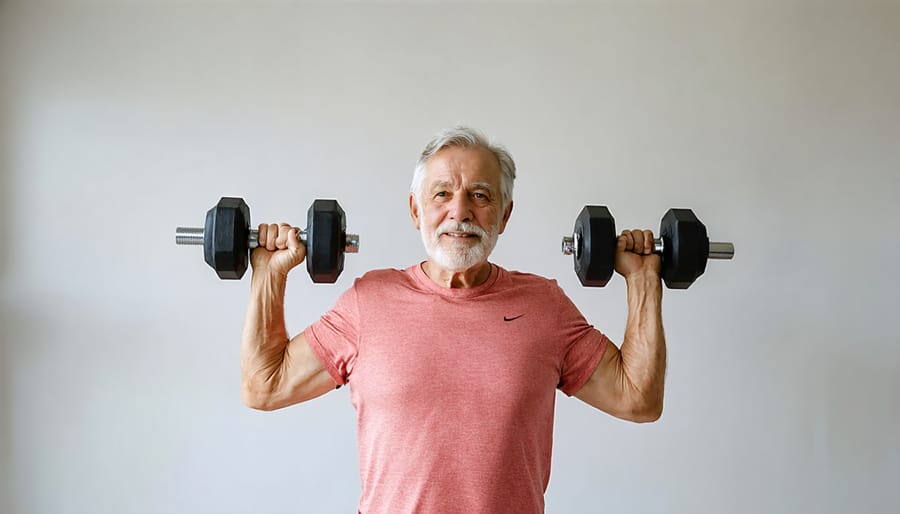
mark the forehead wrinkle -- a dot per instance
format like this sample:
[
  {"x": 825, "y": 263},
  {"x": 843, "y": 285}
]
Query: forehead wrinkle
[
  {"x": 441, "y": 184},
  {"x": 483, "y": 185},
  {"x": 446, "y": 184},
  {"x": 458, "y": 159}
]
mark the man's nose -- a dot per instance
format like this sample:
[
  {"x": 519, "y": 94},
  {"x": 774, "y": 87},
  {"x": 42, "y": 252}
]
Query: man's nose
[{"x": 461, "y": 208}]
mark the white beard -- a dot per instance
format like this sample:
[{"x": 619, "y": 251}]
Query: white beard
[{"x": 459, "y": 255}]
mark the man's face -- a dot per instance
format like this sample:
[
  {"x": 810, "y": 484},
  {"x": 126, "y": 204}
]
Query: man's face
[{"x": 460, "y": 213}]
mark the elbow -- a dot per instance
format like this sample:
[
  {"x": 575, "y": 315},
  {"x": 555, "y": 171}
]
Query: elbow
[
  {"x": 257, "y": 399},
  {"x": 258, "y": 404},
  {"x": 648, "y": 416},
  {"x": 647, "y": 411}
]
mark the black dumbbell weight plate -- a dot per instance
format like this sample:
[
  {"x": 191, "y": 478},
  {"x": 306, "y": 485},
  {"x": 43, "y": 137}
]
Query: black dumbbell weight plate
[
  {"x": 686, "y": 248},
  {"x": 225, "y": 238},
  {"x": 326, "y": 229},
  {"x": 595, "y": 239}
]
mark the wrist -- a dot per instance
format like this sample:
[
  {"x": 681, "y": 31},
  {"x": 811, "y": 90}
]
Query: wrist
[
  {"x": 268, "y": 279},
  {"x": 644, "y": 277}
]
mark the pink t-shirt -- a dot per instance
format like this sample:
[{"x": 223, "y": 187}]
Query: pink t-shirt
[{"x": 454, "y": 389}]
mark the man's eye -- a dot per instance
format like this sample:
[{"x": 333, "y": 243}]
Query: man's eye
[
  {"x": 440, "y": 194},
  {"x": 480, "y": 196}
]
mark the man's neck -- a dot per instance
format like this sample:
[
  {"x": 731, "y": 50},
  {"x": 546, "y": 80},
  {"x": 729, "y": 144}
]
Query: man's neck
[{"x": 472, "y": 277}]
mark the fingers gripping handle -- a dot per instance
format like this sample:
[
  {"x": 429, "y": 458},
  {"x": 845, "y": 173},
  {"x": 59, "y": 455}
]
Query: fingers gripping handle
[
  {"x": 253, "y": 237},
  {"x": 351, "y": 243}
]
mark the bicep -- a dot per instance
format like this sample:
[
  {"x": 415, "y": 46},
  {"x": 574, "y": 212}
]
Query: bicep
[
  {"x": 606, "y": 389},
  {"x": 303, "y": 375}
]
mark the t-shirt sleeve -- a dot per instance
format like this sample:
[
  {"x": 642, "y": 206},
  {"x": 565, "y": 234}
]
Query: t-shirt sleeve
[
  {"x": 334, "y": 338},
  {"x": 583, "y": 346}
]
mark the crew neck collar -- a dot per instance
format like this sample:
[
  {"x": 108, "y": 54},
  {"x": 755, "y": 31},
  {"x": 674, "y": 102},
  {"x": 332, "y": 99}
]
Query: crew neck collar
[{"x": 425, "y": 281}]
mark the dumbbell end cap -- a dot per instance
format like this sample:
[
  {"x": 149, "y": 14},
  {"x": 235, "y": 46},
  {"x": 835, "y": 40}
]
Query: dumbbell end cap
[
  {"x": 723, "y": 251},
  {"x": 568, "y": 245},
  {"x": 352, "y": 243},
  {"x": 188, "y": 236}
]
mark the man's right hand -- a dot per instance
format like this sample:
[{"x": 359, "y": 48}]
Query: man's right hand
[{"x": 279, "y": 250}]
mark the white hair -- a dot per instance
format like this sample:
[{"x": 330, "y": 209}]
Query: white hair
[{"x": 466, "y": 137}]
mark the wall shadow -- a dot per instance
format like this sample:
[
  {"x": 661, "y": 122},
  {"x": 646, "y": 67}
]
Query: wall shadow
[
  {"x": 7, "y": 327},
  {"x": 6, "y": 316}
]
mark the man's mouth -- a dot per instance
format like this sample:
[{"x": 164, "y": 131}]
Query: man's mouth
[{"x": 460, "y": 234}]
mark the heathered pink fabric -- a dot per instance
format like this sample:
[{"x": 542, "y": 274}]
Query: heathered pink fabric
[{"x": 455, "y": 405}]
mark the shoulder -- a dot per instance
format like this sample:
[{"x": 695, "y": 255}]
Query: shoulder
[
  {"x": 524, "y": 278},
  {"x": 524, "y": 281},
  {"x": 380, "y": 279},
  {"x": 380, "y": 275}
]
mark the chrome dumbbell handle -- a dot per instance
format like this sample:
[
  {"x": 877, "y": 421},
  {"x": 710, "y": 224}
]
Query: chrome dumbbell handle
[
  {"x": 189, "y": 236},
  {"x": 722, "y": 251},
  {"x": 717, "y": 250},
  {"x": 194, "y": 236}
]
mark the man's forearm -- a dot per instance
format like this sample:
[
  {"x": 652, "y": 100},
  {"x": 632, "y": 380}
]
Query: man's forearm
[
  {"x": 265, "y": 336},
  {"x": 644, "y": 345}
]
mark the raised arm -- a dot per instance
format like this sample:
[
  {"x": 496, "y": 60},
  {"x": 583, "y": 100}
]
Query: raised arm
[
  {"x": 276, "y": 371},
  {"x": 629, "y": 383}
]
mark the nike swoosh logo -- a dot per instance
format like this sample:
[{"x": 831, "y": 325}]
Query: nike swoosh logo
[{"x": 512, "y": 318}]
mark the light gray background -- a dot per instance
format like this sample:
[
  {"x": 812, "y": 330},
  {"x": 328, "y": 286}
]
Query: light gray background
[{"x": 779, "y": 123}]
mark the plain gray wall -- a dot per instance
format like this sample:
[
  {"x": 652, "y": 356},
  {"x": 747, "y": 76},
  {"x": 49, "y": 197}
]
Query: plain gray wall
[{"x": 779, "y": 123}]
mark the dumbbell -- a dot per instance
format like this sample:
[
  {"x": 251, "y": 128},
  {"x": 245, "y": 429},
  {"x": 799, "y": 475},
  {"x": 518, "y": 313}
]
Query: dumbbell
[
  {"x": 683, "y": 245},
  {"x": 227, "y": 239}
]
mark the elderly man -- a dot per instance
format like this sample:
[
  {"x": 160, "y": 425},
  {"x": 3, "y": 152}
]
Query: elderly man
[{"x": 454, "y": 363}]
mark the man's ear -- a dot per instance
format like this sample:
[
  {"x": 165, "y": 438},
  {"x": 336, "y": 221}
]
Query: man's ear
[
  {"x": 506, "y": 216},
  {"x": 414, "y": 211}
]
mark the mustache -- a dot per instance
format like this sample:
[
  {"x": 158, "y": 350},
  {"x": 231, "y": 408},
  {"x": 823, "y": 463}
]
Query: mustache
[{"x": 457, "y": 226}]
